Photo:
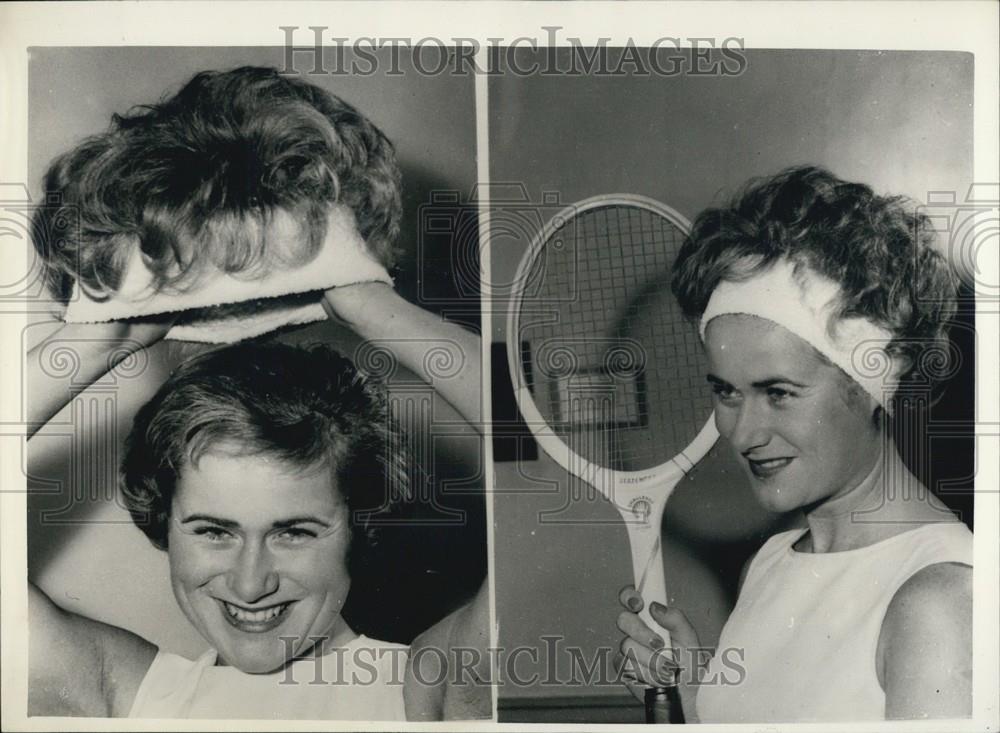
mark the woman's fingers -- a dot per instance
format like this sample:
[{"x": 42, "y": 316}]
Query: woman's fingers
[
  {"x": 673, "y": 620},
  {"x": 630, "y": 598},
  {"x": 653, "y": 667},
  {"x": 643, "y": 655},
  {"x": 352, "y": 304},
  {"x": 682, "y": 631},
  {"x": 658, "y": 660},
  {"x": 631, "y": 625}
]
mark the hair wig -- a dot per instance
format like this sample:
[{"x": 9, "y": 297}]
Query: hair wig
[{"x": 195, "y": 181}]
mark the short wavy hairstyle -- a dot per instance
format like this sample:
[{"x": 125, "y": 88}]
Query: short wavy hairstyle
[
  {"x": 878, "y": 248},
  {"x": 304, "y": 406},
  {"x": 195, "y": 180}
]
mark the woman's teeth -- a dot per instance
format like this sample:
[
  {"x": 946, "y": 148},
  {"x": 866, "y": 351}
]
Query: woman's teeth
[
  {"x": 768, "y": 467},
  {"x": 265, "y": 614}
]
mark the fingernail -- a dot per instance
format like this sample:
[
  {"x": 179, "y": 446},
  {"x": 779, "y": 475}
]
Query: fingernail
[
  {"x": 656, "y": 642},
  {"x": 669, "y": 673},
  {"x": 634, "y": 603},
  {"x": 657, "y": 606}
]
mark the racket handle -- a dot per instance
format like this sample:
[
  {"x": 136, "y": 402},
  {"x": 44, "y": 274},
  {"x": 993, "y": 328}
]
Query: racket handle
[
  {"x": 663, "y": 705},
  {"x": 647, "y": 560}
]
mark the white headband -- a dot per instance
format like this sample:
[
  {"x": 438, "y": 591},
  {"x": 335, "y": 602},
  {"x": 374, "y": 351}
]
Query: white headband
[
  {"x": 804, "y": 304},
  {"x": 343, "y": 259}
]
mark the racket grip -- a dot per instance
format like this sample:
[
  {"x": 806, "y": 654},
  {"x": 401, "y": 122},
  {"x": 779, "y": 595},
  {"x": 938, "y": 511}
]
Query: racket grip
[
  {"x": 663, "y": 705},
  {"x": 650, "y": 580}
]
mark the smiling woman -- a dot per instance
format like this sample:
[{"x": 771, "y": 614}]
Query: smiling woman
[
  {"x": 258, "y": 546},
  {"x": 800, "y": 285},
  {"x": 254, "y": 483},
  {"x": 246, "y": 202},
  {"x": 262, "y": 489},
  {"x": 802, "y": 427}
]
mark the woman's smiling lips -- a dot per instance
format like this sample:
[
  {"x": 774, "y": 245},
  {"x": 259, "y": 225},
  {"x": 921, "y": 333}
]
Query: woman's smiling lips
[
  {"x": 767, "y": 467},
  {"x": 256, "y": 620}
]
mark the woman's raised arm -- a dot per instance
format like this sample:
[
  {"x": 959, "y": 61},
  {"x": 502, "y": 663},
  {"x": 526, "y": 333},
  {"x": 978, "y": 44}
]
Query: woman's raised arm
[
  {"x": 81, "y": 667},
  {"x": 78, "y": 666},
  {"x": 97, "y": 347},
  {"x": 375, "y": 312}
]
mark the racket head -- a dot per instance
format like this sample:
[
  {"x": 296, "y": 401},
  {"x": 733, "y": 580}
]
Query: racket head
[{"x": 607, "y": 372}]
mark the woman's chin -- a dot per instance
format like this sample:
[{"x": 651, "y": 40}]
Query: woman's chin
[
  {"x": 264, "y": 667},
  {"x": 255, "y": 654},
  {"x": 265, "y": 663}
]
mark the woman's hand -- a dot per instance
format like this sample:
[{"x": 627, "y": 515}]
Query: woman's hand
[
  {"x": 144, "y": 331},
  {"x": 95, "y": 349},
  {"x": 357, "y": 304},
  {"x": 443, "y": 354},
  {"x": 645, "y": 660}
]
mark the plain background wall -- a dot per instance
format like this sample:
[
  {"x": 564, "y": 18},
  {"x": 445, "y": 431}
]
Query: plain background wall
[
  {"x": 901, "y": 122},
  {"x": 84, "y": 551}
]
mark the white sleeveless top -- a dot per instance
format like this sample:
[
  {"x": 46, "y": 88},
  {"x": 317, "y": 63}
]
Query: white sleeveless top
[
  {"x": 808, "y": 625},
  {"x": 363, "y": 680}
]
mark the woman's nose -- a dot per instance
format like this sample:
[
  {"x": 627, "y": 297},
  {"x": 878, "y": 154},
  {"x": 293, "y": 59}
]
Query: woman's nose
[
  {"x": 749, "y": 427},
  {"x": 254, "y": 576}
]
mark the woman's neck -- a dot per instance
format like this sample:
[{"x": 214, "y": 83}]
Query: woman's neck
[
  {"x": 889, "y": 500},
  {"x": 337, "y": 636}
]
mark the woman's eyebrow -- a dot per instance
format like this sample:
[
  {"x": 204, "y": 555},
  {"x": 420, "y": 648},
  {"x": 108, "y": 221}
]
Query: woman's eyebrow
[
  {"x": 284, "y": 523},
  {"x": 765, "y": 383},
  {"x": 760, "y": 384},
  {"x": 228, "y": 523}
]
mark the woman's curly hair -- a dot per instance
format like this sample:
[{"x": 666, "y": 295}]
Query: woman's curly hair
[
  {"x": 303, "y": 406},
  {"x": 195, "y": 181},
  {"x": 877, "y": 248}
]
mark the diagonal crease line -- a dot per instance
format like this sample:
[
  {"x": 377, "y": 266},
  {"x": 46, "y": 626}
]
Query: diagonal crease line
[{"x": 649, "y": 562}]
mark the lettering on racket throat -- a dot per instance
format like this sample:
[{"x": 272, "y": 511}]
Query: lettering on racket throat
[{"x": 645, "y": 518}]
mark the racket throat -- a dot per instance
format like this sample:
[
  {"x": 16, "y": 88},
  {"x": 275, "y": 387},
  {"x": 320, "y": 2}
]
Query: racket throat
[
  {"x": 650, "y": 569},
  {"x": 643, "y": 519}
]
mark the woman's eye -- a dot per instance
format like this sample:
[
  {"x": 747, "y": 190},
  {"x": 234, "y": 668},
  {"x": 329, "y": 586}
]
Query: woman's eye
[
  {"x": 777, "y": 394},
  {"x": 213, "y": 534},
  {"x": 723, "y": 393},
  {"x": 295, "y": 535}
]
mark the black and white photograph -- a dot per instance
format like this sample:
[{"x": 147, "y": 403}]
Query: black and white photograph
[
  {"x": 737, "y": 486},
  {"x": 255, "y": 475},
  {"x": 478, "y": 365}
]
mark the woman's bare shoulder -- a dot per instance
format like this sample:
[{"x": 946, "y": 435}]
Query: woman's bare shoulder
[
  {"x": 925, "y": 646},
  {"x": 460, "y": 642},
  {"x": 81, "y": 667},
  {"x": 932, "y": 596}
]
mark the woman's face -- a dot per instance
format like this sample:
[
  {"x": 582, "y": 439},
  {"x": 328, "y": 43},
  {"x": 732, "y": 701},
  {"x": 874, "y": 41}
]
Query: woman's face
[
  {"x": 258, "y": 557},
  {"x": 799, "y": 430}
]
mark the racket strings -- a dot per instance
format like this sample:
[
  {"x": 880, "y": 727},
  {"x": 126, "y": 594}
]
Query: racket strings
[{"x": 611, "y": 362}]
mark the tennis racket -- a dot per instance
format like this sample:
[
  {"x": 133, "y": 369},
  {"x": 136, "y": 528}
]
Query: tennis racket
[{"x": 607, "y": 373}]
